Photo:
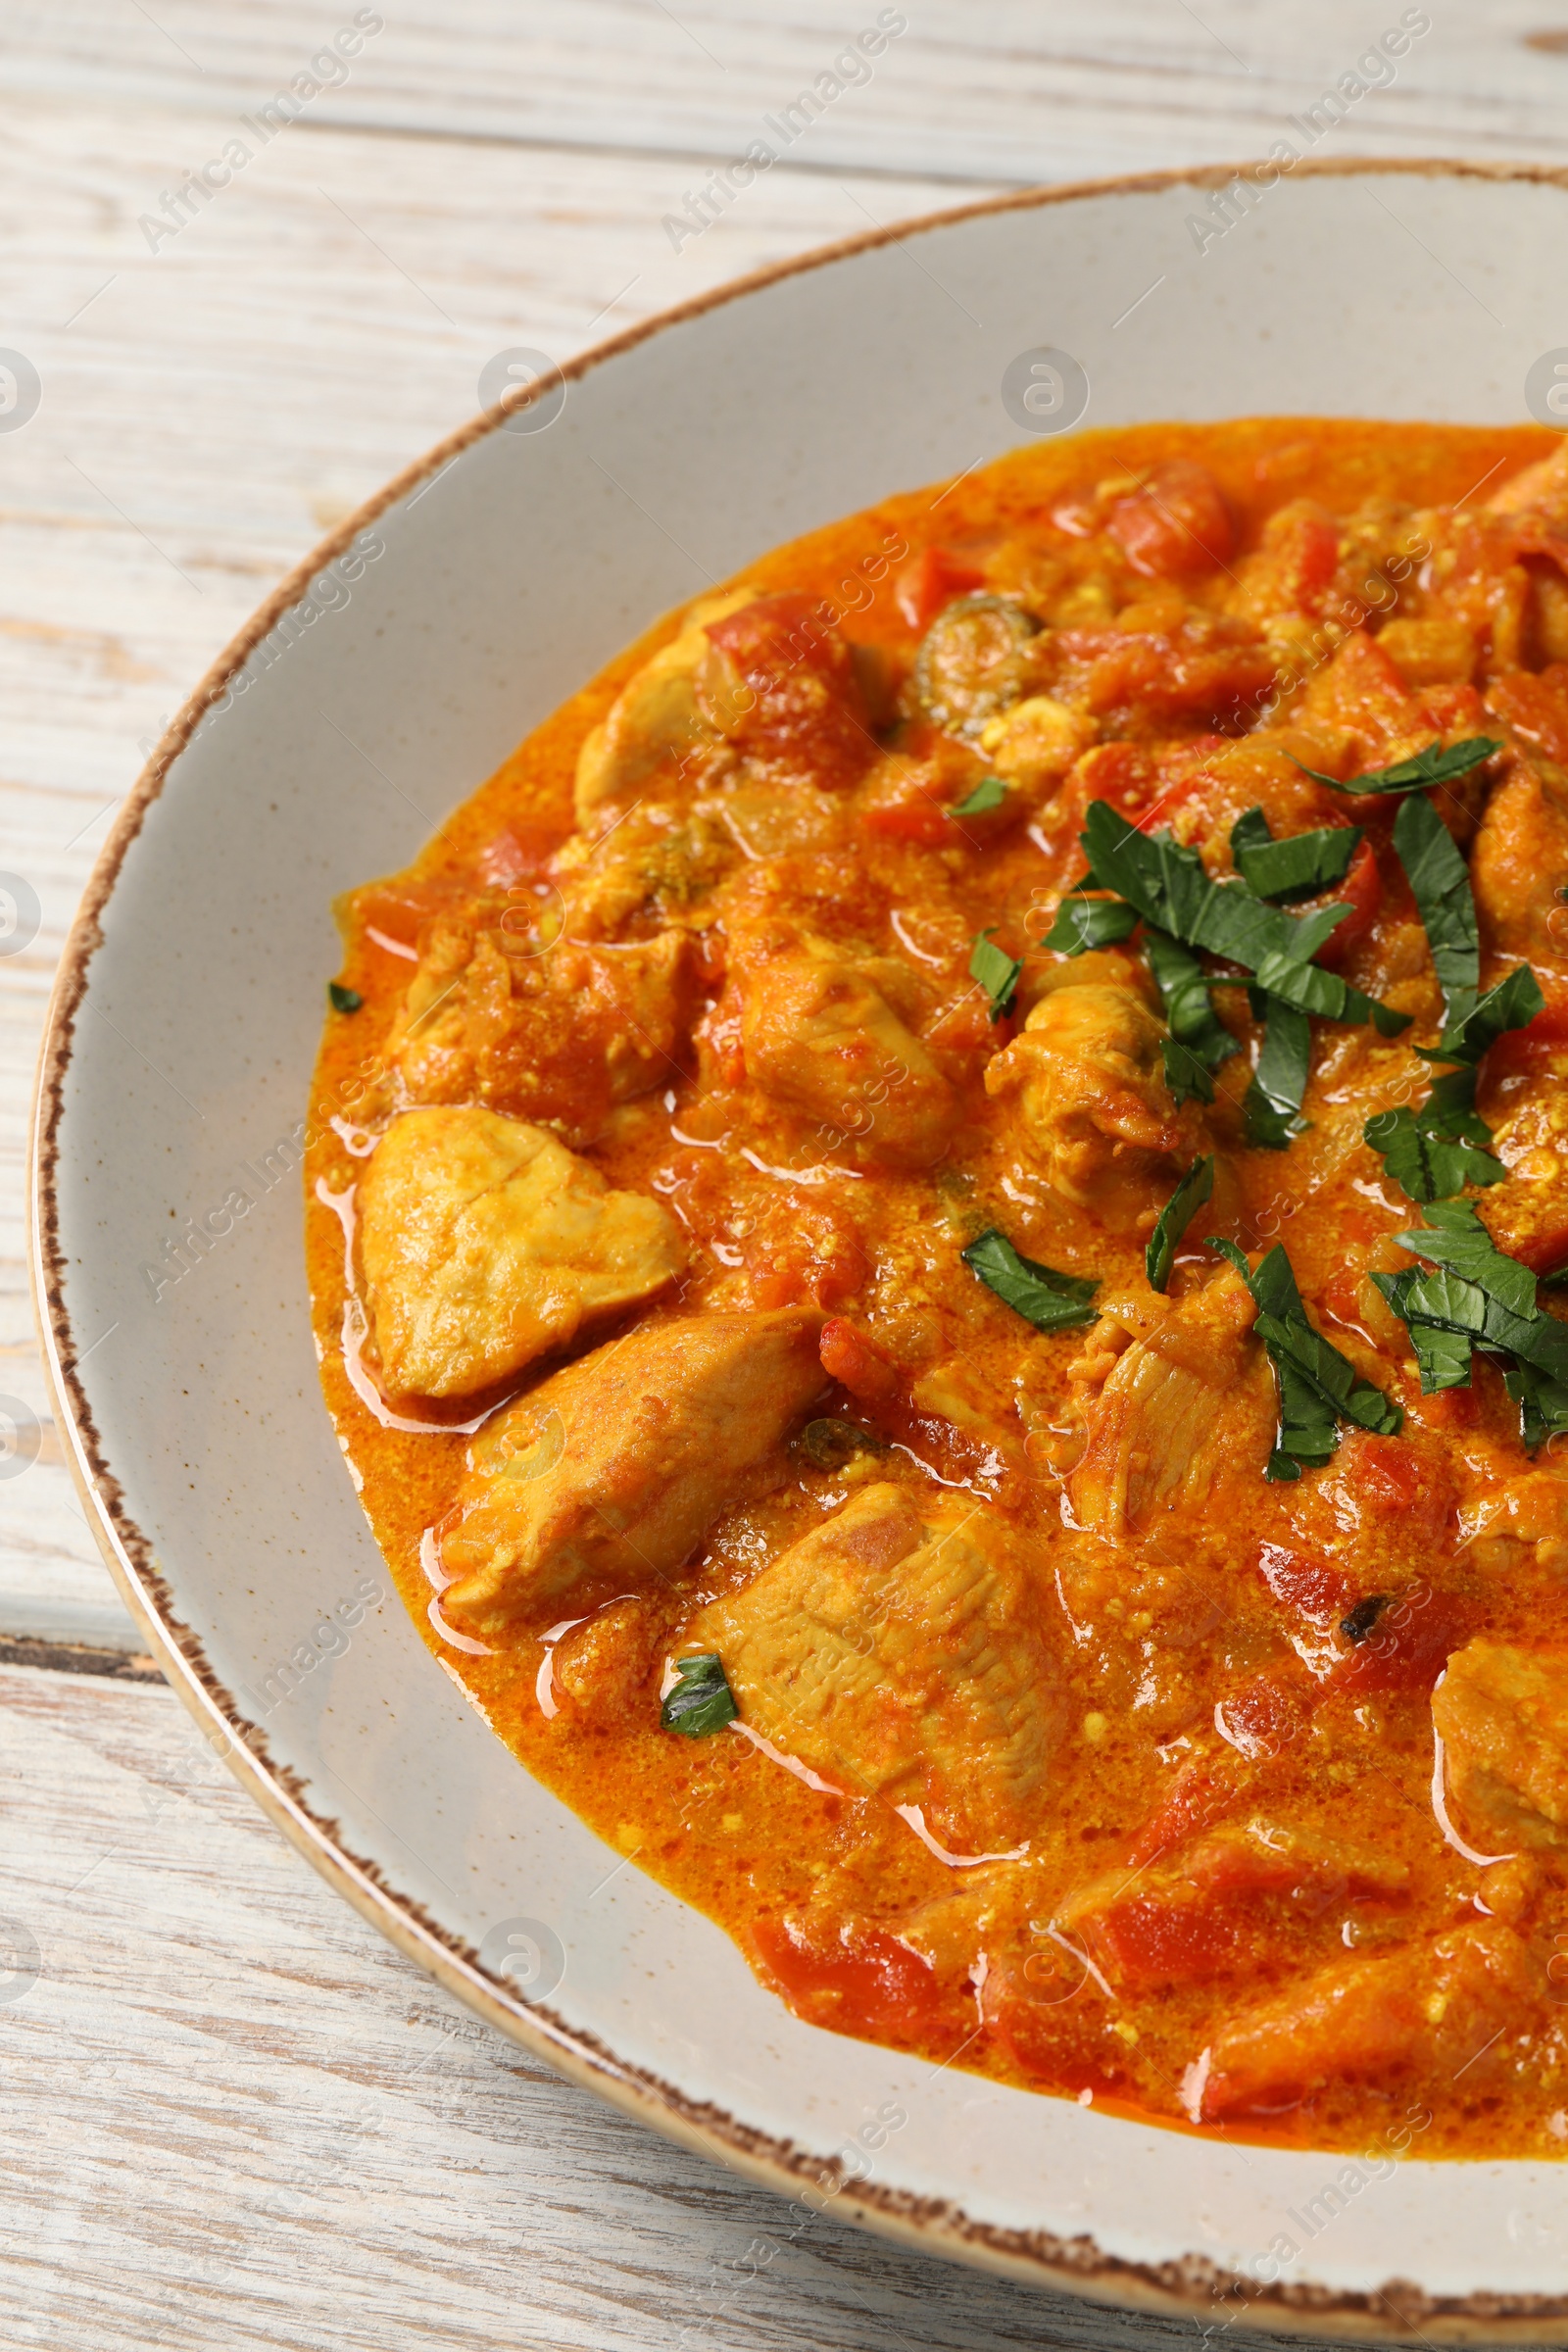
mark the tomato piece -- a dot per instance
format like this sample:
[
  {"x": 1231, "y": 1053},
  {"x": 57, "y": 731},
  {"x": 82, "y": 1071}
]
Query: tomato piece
[
  {"x": 1304, "y": 556},
  {"x": 866, "y": 1983},
  {"x": 1176, "y": 524},
  {"x": 787, "y": 689},
  {"x": 804, "y": 1256},
  {"x": 1408, "y": 1646},
  {"x": 1392, "y": 1484},
  {"x": 1264, "y": 1716},
  {"x": 931, "y": 581},
  {"x": 918, "y": 818},
  {"x": 857, "y": 1364},
  {"x": 1200, "y": 1793},
  {"x": 1362, "y": 891},
  {"x": 520, "y": 853},
  {"x": 398, "y": 909},
  {"x": 1178, "y": 1937},
  {"x": 1309, "y": 1585},
  {"x": 1536, "y": 708}
]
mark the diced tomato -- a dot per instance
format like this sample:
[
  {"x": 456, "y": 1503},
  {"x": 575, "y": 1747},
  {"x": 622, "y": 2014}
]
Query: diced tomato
[
  {"x": 1302, "y": 554},
  {"x": 799, "y": 1256},
  {"x": 931, "y": 581},
  {"x": 400, "y": 910},
  {"x": 1177, "y": 1936},
  {"x": 1176, "y": 524},
  {"x": 1408, "y": 1646},
  {"x": 1309, "y": 1585},
  {"x": 1200, "y": 1793},
  {"x": 1362, "y": 891},
  {"x": 520, "y": 853},
  {"x": 857, "y": 1364},
  {"x": 1394, "y": 1483},
  {"x": 1264, "y": 1716},
  {"x": 864, "y": 1981},
  {"x": 789, "y": 691},
  {"x": 916, "y": 816}
]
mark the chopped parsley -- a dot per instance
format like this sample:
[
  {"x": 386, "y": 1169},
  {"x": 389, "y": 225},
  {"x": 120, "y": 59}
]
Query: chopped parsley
[
  {"x": 989, "y": 793},
  {"x": 1512, "y": 1004},
  {"x": 700, "y": 1700},
  {"x": 1273, "y": 1100},
  {"x": 343, "y": 1000},
  {"x": 1177, "y": 1215},
  {"x": 1194, "y": 1026},
  {"x": 1318, "y": 1386},
  {"x": 1050, "y": 1300},
  {"x": 1440, "y": 881},
  {"x": 1434, "y": 766},
  {"x": 1082, "y": 923},
  {"x": 1478, "y": 1297},
  {"x": 1430, "y": 1154},
  {"x": 997, "y": 973},
  {"x": 1297, "y": 867}
]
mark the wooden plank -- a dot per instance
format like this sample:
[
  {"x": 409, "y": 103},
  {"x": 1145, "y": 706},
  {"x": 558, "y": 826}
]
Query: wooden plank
[
  {"x": 235, "y": 2117},
  {"x": 1000, "y": 90}
]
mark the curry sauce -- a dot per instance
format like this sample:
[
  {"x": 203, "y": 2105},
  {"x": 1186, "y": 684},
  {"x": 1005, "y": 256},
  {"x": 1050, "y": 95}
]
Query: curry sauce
[{"x": 931, "y": 1224}]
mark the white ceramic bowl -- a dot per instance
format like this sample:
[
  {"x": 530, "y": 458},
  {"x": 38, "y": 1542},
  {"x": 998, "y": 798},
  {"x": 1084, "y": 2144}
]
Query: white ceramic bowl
[{"x": 322, "y": 749}]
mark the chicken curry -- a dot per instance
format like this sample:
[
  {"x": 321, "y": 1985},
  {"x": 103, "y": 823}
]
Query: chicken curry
[{"x": 933, "y": 1224}]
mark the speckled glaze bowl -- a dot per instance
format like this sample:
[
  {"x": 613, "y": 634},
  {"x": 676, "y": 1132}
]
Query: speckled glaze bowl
[{"x": 373, "y": 692}]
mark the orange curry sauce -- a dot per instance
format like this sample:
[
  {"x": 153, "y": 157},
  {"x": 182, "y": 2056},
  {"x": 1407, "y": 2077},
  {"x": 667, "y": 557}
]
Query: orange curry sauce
[{"x": 1187, "y": 1709}]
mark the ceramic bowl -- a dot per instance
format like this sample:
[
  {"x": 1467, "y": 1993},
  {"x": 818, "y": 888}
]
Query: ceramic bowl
[{"x": 373, "y": 692}]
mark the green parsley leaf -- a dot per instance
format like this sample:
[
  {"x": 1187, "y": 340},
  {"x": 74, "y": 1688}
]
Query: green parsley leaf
[
  {"x": 343, "y": 1000},
  {"x": 701, "y": 1699},
  {"x": 1310, "y": 989},
  {"x": 1428, "y": 1163},
  {"x": 1185, "y": 1074},
  {"x": 1050, "y": 1300},
  {"x": 1444, "y": 1315},
  {"x": 1299, "y": 868},
  {"x": 1454, "y": 1236},
  {"x": 1440, "y": 880},
  {"x": 1174, "y": 1218},
  {"x": 1512, "y": 1004},
  {"x": 1169, "y": 888},
  {"x": 1318, "y": 1386},
  {"x": 1542, "y": 1403},
  {"x": 1083, "y": 923},
  {"x": 989, "y": 793},
  {"x": 1188, "y": 1007},
  {"x": 997, "y": 973},
  {"x": 1273, "y": 1100},
  {"x": 1480, "y": 1297},
  {"x": 1434, "y": 766}
]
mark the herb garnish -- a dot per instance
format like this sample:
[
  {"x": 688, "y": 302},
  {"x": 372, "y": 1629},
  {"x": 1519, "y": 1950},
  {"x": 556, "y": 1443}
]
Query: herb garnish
[
  {"x": 1299, "y": 868},
  {"x": 1317, "y": 1385},
  {"x": 1177, "y": 1215},
  {"x": 343, "y": 1000},
  {"x": 1440, "y": 880},
  {"x": 1200, "y": 1038},
  {"x": 701, "y": 1699},
  {"x": 1082, "y": 923},
  {"x": 989, "y": 793},
  {"x": 1050, "y": 1300},
  {"x": 1512, "y": 1004},
  {"x": 1273, "y": 1099},
  {"x": 1435, "y": 1152},
  {"x": 829, "y": 1443},
  {"x": 997, "y": 973},
  {"x": 1478, "y": 1298},
  {"x": 1434, "y": 766}
]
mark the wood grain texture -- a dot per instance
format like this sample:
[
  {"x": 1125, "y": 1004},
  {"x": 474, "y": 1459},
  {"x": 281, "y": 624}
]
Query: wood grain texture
[{"x": 235, "y": 2117}]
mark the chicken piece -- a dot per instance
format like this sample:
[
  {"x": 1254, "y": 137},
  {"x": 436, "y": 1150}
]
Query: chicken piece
[
  {"x": 1538, "y": 489},
  {"x": 486, "y": 1243},
  {"x": 1534, "y": 708},
  {"x": 1502, "y": 1715},
  {"x": 601, "y": 1665},
  {"x": 612, "y": 1470},
  {"x": 656, "y": 862},
  {"x": 1436, "y": 652},
  {"x": 1191, "y": 1396},
  {"x": 654, "y": 720},
  {"x": 820, "y": 1036},
  {"x": 1520, "y": 860},
  {"x": 1096, "y": 1113},
  {"x": 1196, "y": 1914},
  {"x": 1439, "y": 2003},
  {"x": 558, "y": 1033},
  {"x": 897, "y": 1650},
  {"x": 1034, "y": 743}
]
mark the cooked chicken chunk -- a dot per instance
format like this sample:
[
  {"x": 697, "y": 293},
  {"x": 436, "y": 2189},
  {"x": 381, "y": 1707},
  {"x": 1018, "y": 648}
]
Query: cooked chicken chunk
[
  {"x": 1191, "y": 1396},
  {"x": 1096, "y": 1113},
  {"x": 558, "y": 1033},
  {"x": 1520, "y": 860},
  {"x": 486, "y": 1243},
  {"x": 656, "y": 717},
  {"x": 1502, "y": 1714},
  {"x": 611, "y": 1471},
  {"x": 897, "y": 1650},
  {"x": 1367, "y": 2021},
  {"x": 820, "y": 1036}
]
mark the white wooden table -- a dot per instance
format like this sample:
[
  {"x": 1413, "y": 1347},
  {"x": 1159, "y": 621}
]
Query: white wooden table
[{"x": 232, "y": 2116}]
